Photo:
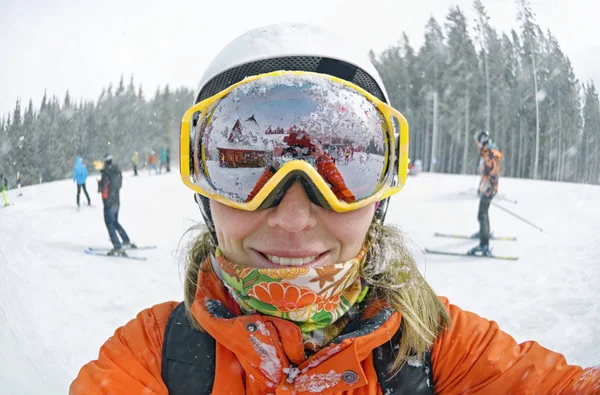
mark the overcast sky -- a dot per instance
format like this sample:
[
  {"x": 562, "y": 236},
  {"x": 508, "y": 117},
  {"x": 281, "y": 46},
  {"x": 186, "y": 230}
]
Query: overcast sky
[{"x": 84, "y": 45}]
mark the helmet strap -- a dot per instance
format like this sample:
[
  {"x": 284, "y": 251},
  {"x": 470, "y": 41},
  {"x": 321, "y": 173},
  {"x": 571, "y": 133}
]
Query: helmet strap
[{"x": 204, "y": 205}]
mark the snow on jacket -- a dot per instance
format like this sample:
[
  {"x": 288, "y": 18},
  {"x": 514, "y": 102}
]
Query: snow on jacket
[
  {"x": 474, "y": 356},
  {"x": 80, "y": 172}
]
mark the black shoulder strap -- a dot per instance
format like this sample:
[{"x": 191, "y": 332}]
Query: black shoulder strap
[
  {"x": 188, "y": 356},
  {"x": 188, "y": 362},
  {"x": 415, "y": 377}
]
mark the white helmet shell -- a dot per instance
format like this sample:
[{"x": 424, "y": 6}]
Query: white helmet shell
[{"x": 295, "y": 42}]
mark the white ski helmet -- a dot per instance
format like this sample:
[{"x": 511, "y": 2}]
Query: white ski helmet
[{"x": 287, "y": 46}]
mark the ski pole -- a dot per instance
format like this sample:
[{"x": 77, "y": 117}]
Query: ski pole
[
  {"x": 472, "y": 192},
  {"x": 506, "y": 199},
  {"x": 517, "y": 216}
]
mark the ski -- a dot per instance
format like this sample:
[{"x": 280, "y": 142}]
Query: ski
[
  {"x": 506, "y": 258},
  {"x": 99, "y": 253},
  {"x": 501, "y": 238},
  {"x": 142, "y": 247}
]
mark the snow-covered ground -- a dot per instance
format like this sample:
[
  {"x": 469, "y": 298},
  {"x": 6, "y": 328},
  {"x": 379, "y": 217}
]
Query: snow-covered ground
[{"x": 58, "y": 305}]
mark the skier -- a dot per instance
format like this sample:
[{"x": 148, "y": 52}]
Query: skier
[
  {"x": 164, "y": 159},
  {"x": 488, "y": 188},
  {"x": 4, "y": 187},
  {"x": 152, "y": 163},
  {"x": 19, "y": 184},
  {"x": 135, "y": 160},
  {"x": 80, "y": 175},
  {"x": 168, "y": 157},
  {"x": 309, "y": 294},
  {"x": 110, "y": 185}
]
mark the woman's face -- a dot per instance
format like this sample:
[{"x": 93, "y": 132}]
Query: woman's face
[{"x": 295, "y": 233}]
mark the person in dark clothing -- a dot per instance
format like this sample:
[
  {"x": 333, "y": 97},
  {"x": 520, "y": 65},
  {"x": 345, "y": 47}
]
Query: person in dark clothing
[
  {"x": 80, "y": 175},
  {"x": 168, "y": 160},
  {"x": 110, "y": 185},
  {"x": 19, "y": 183},
  {"x": 488, "y": 188}
]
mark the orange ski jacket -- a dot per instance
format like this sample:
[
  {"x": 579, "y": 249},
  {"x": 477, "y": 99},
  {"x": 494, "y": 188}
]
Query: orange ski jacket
[
  {"x": 490, "y": 171},
  {"x": 257, "y": 354}
]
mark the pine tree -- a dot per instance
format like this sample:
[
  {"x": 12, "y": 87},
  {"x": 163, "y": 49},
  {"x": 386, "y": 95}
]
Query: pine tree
[
  {"x": 530, "y": 53},
  {"x": 590, "y": 138},
  {"x": 461, "y": 80},
  {"x": 432, "y": 59}
]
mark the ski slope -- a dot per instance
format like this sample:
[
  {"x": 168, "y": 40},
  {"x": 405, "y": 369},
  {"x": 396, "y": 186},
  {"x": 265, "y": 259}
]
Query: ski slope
[{"x": 58, "y": 305}]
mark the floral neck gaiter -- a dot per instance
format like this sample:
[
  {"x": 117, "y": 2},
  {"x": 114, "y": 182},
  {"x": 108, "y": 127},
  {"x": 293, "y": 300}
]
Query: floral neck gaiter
[{"x": 316, "y": 299}]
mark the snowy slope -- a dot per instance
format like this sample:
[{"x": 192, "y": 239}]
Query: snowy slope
[{"x": 58, "y": 305}]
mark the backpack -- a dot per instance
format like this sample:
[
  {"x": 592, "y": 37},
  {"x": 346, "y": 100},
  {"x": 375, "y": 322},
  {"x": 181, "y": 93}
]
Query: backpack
[{"x": 187, "y": 352}]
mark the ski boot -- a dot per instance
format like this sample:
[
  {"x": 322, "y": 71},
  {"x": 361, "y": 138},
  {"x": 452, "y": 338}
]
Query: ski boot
[
  {"x": 117, "y": 252},
  {"x": 482, "y": 250},
  {"x": 129, "y": 246}
]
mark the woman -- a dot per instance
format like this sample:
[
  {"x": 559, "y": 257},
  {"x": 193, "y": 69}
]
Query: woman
[{"x": 295, "y": 288}]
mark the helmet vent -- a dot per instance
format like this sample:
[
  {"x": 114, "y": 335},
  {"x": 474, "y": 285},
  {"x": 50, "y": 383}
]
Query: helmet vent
[{"x": 297, "y": 63}]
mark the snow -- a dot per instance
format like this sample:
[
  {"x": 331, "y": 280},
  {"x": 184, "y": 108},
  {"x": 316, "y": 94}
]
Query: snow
[
  {"x": 317, "y": 383},
  {"x": 314, "y": 362},
  {"x": 262, "y": 328},
  {"x": 270, "y": 364},
  {"x": 58, "y": 305},
  {"x": 414, "y": 362}
]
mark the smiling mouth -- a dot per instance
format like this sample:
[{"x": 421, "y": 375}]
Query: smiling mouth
[
  {"x": 291, "y": 261},
  {"x": 287, "y": 261}
]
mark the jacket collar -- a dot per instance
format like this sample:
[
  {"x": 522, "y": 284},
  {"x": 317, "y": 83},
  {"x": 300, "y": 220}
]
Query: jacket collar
[{"x": 271, "y": 351}]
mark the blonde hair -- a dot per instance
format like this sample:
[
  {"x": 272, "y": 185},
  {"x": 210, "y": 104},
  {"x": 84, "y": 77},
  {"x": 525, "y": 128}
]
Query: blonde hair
[{"x": 392, "y": 273}]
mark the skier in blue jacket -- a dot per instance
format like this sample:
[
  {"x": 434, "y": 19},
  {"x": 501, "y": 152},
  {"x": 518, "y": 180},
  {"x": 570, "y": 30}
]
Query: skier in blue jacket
[{"x": 80, "y": 174}]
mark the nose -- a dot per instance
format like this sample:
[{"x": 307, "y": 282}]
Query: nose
[{"x": 295, "y": 212}]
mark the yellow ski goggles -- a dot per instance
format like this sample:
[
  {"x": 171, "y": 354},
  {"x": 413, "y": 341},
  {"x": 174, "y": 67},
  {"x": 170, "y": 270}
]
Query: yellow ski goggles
[{"x": 245, "y": 146}]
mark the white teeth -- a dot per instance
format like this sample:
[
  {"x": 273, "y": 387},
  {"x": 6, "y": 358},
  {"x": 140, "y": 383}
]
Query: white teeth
[{"x": 291, "y": 261}]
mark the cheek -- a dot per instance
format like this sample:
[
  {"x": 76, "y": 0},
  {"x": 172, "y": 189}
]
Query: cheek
[
  {"x": 350, "y": 229},
  {"x": 233, "y": 225}
]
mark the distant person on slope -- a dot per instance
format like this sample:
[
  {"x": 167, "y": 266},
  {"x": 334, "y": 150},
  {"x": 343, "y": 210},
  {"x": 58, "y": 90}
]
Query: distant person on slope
[
  {"x": 110, "y": 185},
  {"x": 3, "y": 187},
  {"x": 80, "y": 175},
  {"x": 135, "y": 160},
  {"x": 152, "y": 163},
  {"x": 19, "y": 184},
  {"x": 164, "y": 160},
  {"x": 488, "y": 188}
]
